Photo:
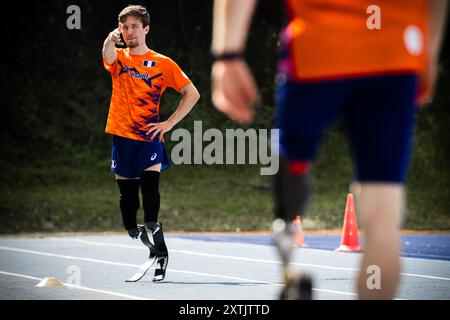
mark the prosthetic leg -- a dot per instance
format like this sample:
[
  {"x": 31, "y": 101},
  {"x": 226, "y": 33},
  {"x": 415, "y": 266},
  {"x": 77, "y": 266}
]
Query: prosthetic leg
[
  {"x": 292, "y": 188},
  {"x": 158, "y": 254},
  {"x": 160, "y": 250},
  {"x": 296, "y": 286},
  {"x": 129, "y": 205}
]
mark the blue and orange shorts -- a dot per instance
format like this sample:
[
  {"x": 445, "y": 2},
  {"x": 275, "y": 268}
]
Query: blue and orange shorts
[
  {"x": 379, "y": 113},
  {"x": 131, "y": 157}
]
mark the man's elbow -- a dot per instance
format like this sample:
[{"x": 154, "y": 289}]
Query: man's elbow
[
  {"x": 191, "y": 93},
  {"x": 194, "y": 94}
]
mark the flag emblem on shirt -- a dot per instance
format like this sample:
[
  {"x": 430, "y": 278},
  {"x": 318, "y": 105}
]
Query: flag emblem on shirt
[{"x": 149, "y": 64}]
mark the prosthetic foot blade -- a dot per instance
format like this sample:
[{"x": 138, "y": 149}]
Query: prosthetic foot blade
[
  {"x": 142, "y": 270},
  {"x": 305, "y": 287},
  {"x": 298, "y": 287}
]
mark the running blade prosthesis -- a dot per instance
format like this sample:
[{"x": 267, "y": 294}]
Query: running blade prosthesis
[
  {"x": 296, "y": 286},
  {"x": 158, "y": 255}
]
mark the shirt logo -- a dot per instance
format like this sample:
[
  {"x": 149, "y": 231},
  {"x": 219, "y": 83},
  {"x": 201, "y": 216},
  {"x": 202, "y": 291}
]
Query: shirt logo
[
  {"x": 153, "y": 156},
  {"x": 134, "y": 73},
  {"x": 149, "y": 64},
  {"x": 113, "y": 164}
]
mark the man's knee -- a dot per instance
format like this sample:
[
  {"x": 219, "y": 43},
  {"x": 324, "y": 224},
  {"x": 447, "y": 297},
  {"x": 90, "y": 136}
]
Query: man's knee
[
  {"x": 156, "y": 167},
  {"x": 118, "y": 177},
  {"x": 381, "y": 205}
]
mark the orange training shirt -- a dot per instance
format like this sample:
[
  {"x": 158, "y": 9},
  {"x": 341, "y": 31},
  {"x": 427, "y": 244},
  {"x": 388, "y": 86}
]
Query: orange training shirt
[
  {"x": 138, "y": 83},
  {"x": 328, "y": 39}
]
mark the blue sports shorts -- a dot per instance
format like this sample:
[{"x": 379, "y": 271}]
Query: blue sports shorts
[
  {"x": 131, "y": 157},
  {"x": 379, "y": 113}
]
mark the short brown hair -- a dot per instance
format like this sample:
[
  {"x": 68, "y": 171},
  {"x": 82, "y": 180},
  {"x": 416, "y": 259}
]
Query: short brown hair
[{"x": 135, "y": 11}]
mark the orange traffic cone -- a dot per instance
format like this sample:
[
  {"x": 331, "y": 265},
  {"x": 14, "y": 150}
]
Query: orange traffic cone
[
  {"x": 299, "y": 237},
  {"x": 350, "y": 236}
]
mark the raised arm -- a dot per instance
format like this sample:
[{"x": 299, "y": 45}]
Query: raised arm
[{"x": 109, "y": 50}]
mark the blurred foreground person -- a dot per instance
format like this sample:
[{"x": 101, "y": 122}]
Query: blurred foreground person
[{"x": 371, "y": 65}]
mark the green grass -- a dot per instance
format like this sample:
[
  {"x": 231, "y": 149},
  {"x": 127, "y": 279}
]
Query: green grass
[
  {"x": 193, "y": 198},
  {"x": 81, "y": 195},
  {"x": 200, "y": 198}
]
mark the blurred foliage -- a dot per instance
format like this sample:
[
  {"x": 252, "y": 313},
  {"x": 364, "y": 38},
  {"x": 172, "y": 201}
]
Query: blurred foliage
[{"x": 55, "y": 95}]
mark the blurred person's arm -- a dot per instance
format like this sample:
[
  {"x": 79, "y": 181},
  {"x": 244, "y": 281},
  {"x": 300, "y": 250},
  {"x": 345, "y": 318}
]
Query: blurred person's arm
[
  {"x": 436, "y": 27},
  {"x": 234, "y": 90},
  {"x": 437, "y": 21},
  {"x": 232, "y": 19}
]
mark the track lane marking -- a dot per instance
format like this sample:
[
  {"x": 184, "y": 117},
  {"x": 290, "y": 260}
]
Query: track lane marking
[
  {"x": 20, "y": 250},
  {"x": 73, "y": 286},
  {"x": 210, "y": 255}
]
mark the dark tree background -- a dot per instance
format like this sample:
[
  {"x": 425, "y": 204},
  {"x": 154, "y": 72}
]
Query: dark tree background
[{"x": 55, "y": 93}]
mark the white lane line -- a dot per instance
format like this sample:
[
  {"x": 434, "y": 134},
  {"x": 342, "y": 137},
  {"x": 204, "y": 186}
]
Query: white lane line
[
  {"x": 168, "y": 269},
  {"x": 68, "y": 257},
  {"x": 73, "y": 286},
  {"x": 128, "y": 264},
  {"x": 426, "y": 256},
  {"x": 424, "y": 276},
  {"x": 96, "y": 243},
  {"x": 209, "y": 255}
]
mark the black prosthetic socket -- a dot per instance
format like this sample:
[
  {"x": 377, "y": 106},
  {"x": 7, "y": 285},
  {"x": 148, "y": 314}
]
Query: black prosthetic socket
[
  {"x": 291, "y": 192},
  {"x": 150, "y": 195},
  {"x": 151, "y": 225},
  {"x": 129, "y": 203},
  {"x": 134, "y": 233}
]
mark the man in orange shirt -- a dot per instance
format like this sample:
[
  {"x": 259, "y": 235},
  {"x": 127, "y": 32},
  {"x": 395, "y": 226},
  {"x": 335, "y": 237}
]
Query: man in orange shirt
[
  {"x": 335, "y": 61},
  {"x": 140, "y": 76}
]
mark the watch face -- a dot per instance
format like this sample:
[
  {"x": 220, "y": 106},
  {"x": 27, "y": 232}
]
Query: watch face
[{"x": 122, "y": 44}]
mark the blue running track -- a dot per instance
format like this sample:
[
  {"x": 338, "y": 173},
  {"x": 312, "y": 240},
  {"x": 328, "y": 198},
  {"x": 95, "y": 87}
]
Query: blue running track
[{"x": 426, "y": 246}]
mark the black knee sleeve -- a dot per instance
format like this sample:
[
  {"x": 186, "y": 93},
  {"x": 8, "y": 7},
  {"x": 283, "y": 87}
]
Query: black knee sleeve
[
  {"x": 150, "y": 195},
  {"x": 291, "y": 190},
  {"x": 129, "y": 202}
]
